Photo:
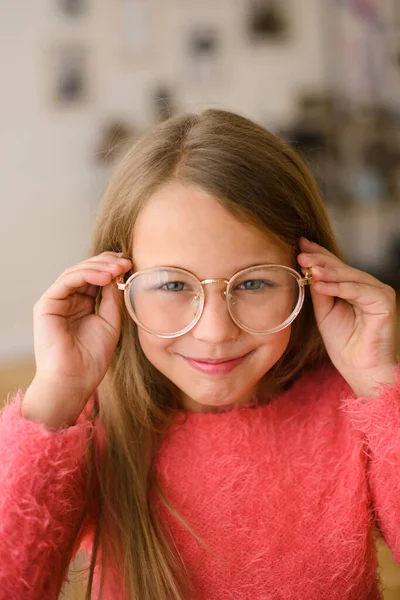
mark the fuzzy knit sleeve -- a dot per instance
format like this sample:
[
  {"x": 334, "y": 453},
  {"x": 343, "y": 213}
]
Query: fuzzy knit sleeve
[
  {"x": 43, "y": 481},
  {"x": 378, "y": 419}
]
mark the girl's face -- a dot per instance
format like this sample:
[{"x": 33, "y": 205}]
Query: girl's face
[{"x": 183, "y": 226}]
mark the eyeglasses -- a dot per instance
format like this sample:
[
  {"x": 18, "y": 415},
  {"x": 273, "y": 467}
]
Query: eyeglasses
[{"x": 168, "y": 301}]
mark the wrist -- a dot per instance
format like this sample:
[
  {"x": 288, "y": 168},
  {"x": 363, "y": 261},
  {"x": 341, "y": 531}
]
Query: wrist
[
  {"x": 50, "y": 404},
  {"x": 367, "y": 384}
]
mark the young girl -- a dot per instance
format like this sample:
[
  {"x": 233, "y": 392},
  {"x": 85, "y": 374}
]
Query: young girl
[{"x": 218, "y": 417}]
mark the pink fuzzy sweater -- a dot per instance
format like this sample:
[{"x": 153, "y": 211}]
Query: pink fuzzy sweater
[{"x": 285, "y": 495}]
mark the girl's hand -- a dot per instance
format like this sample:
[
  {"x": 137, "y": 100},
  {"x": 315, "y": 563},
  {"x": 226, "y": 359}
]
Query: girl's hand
[
  {"x": 356, "y": 315},
  {"x": 73, "y": 344}
]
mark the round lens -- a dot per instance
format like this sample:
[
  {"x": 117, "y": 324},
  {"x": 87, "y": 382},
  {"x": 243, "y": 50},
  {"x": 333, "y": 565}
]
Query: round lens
[
  {"x": 262, "y": 299},
  {"x": 165, "y": 301}
]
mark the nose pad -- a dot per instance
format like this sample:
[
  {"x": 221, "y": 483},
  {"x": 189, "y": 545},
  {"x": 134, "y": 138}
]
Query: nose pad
[
  {"x": 195, "y": 302},
  {"x": 196, "y": 298},
  {"x": 231, "y": 299}
]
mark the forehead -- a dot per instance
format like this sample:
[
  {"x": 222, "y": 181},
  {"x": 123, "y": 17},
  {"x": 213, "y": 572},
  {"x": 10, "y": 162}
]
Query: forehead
[{"x": 184, "y": 226}]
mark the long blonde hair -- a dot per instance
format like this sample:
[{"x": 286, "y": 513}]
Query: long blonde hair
[{"x": 257, "y": 177}]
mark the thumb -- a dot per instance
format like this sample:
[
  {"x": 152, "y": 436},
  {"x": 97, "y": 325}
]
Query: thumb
[
  {"x": 322, "y": 304},
  {"x": 111, "y": 305}
]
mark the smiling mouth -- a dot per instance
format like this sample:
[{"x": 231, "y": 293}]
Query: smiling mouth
[
  {"x": 215, "y": 366},
  {"x": 214, "y": 361}
]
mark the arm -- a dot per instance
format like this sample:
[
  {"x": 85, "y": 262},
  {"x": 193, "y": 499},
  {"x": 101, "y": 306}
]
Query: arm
[
  {"x": 378, "y": 419},
  {"x": 43, "y": 485}
]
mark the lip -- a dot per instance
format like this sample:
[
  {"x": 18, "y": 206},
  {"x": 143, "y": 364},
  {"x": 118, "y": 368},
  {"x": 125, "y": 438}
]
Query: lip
[{"x": 212, "y": 366}]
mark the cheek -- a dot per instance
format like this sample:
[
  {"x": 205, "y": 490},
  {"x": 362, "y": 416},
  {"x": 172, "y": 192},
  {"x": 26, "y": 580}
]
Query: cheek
[
  {"x": 273, "y": 345},
  {"x": 159, "y": 352},
  {"x": 155, "y": 348}
]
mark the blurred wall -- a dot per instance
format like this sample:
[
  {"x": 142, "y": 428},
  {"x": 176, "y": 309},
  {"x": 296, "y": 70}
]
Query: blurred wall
[
  {"x": 50, "y": 176},
  {"x": 49, "y": 179}
]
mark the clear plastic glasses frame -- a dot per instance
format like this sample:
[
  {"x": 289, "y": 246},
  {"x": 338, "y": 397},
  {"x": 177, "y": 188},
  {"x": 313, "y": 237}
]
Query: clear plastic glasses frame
[{"x": 226, "y": 292}]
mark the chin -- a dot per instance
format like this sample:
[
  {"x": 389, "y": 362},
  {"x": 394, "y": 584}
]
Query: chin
[
  {"x": 205, "y": 405},
  {"x": 197, "y": 400}
]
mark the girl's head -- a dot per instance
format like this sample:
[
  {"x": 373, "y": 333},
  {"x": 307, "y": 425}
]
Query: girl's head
[
  {"x": 184, "y": 226},
  {"x": 213, "y": 194}
]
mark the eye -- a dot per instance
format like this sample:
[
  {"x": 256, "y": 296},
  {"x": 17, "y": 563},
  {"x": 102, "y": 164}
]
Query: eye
[
  {"x": 173, "y": 286},
  {"x": 255, "y": 285}
]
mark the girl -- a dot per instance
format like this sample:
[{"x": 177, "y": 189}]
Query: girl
[{"x": 220, "y": 417}]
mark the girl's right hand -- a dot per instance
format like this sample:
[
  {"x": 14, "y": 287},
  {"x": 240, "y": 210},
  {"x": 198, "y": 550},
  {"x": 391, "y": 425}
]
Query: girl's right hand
[{"x": 73, "y": 344}]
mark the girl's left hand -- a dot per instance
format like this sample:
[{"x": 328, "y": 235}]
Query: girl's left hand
[{"x": 356, "y": 315}]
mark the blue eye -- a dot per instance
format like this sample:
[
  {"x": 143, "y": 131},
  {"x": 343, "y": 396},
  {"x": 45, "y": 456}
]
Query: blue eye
[
  {"x": 254, "y": 285},
  {"x": 173, "y": 286}
]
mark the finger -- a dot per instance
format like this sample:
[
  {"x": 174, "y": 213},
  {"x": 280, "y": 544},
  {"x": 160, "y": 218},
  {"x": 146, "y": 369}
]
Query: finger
[
  {"x": 108, "y": 253},
  {"x": 88, "y": 290},
  {"x": 117, "y": 267},
  {"x": 312, "y": 253},
  {"x": 368, "y": 298},
  {"x": 105, "y": 256},
  {"x": 78, "y": 279},
  {"x": 344, "y": 273},
  {"x": 322, "y": 304},
  {"x": 315, "y": 255},
  {"x": 307, "y": 260},
  {"x": 98, "y": 262},
  {"x": 334, "y": 269},
  {"x": 110, "y": 308}
]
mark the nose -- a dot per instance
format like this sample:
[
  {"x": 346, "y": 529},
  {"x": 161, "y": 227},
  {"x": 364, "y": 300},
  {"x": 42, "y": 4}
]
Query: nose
[{"x": 215, "y": 324}]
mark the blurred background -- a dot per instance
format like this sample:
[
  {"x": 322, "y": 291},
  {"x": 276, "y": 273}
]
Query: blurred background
[{"x": 80, "y": 78}]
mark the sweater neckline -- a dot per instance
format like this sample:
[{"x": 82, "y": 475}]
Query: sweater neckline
[{"x": 181, "y": 415}]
